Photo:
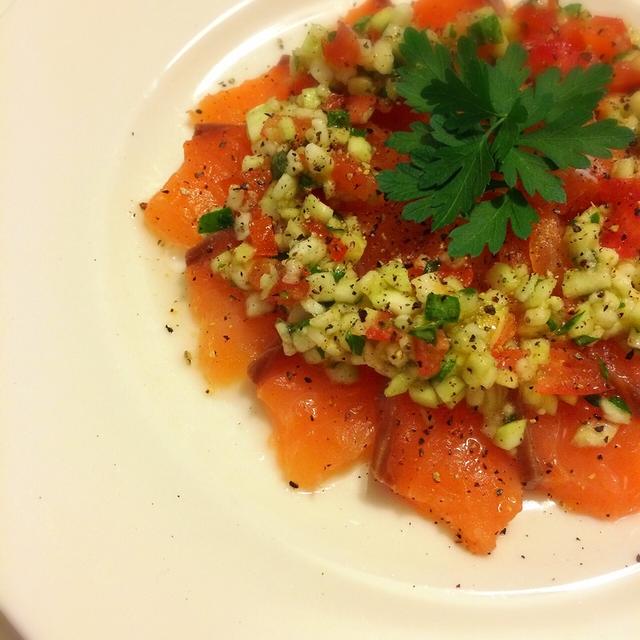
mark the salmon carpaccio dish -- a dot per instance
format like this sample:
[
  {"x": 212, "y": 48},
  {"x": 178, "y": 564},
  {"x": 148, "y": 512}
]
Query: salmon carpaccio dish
[{"x": 419, "y": 235}]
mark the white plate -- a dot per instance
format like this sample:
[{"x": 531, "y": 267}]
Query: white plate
[{"x": 134, "y": 505}]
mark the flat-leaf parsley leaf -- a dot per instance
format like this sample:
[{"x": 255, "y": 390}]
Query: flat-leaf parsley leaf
[{"x": 493, "y": 136}]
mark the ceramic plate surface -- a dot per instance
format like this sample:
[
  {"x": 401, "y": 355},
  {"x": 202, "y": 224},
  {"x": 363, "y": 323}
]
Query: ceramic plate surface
[{"x": 135, "y": 504}]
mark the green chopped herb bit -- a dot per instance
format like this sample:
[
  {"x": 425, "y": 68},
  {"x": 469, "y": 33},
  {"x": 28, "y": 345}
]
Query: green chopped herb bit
[
  {"x": 217, "y": 220},
  {"x": 358, "y": 133},
  {"x": 469, "y": 291},
  {"x": 448, "y": 365},
  {"x": 339, "y": 273},
  {"x": 306, "y": 182},
  {"x": 442, "y": 309},
  {"x": 431, "y": 266},
  {"x": 573, "y": 10},
  {"x": 619, "y": 403},
  {"x": 361, "y": 25},
  {"x": 299, "y": 325},
  {"x": 604, "y": 370},
  {"x": 569, "y": 324},
  {"x": 595, "y": 218},
  {"x": 593, "y": 399},
  {"x": 356, "y": 343},
  {"x": 338, "y": 118},
  {"x": 315, "y": 268},
  {"x": 552, "y": 324},
  {"x": 427, "y": 333},
  {"x": 583, "y": 341},
  {"x": 278, "y": 164},
  {"x": 331, "y": 36},
  {"x": 487, "y": 30}
]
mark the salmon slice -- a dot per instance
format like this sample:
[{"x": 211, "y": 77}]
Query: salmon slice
[
  {"x": 212, "y": 162},
  {"x": 599, "y": 481},
  {"x": 229, "y": 340},
  {"x": 442, "y": 464},
  {"x": 231, "y": 105},
  {"x": 319, "y": 427}
]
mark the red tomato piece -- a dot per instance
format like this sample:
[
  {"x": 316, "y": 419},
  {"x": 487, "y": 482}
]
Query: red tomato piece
[
  {"x": 429, "y": 356},
  {"x": 605, "y": 37},
  {"x": 343, "y": 51},
  {"x": 262, "y": 236},
  {"x": 536, "y": 20},
  {"x": 319, "y": 427},
  {"x": 352, "y": 183},
  {"x": 446, "y": 468},
  {"x": 546, "y": 248},
  {"x": 367, "y": 8},
  {"x": 337, "y": 249},
  {"x": 360, "y": 108},
  {"x": 570, "y": 371},
  {"x": 600, "y": 481},
  {"x": 436, "y": 14},
  {"x": 626, "y": 77}
]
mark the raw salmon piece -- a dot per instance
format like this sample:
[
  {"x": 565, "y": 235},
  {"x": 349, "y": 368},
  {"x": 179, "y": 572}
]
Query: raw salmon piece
[
  {"x": 319, "y": 427},
  {"x": 231, "y": 105},
  {"x": 440, "y": 461},
  {"x": 229, "y": 340},
  {"x": 212, "y": 162},
  {"x": 599, "y": 481}
]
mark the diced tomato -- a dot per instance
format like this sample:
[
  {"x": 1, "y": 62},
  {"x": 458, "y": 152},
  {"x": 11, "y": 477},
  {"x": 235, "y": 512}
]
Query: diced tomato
[
  {"x": 435, "y": 14},
  {"x": 255, "y": 183},
  {"x": 378, "y": 334},
  {"x": 395, "y": 116},
  {"x": 231, "y": 105},
  {"x": 536, "y": 20},
  {"x": 446, "y": 468},
  {"x": 429, "y": 356},
  {"x": 622, "y": 228},
  {"x": 337, "y": 249},
  {"x": 343, "y": 51},
  {"x": 352, "y": 183},
  {"x": 626, "y": 77},
  {"x": 556, "y": 51},
  {"x": 546, "y": 247},
  {"x": 623, "y": 369},
  {"x": 334, "y": 101},
  {"x": 605, "y": 37},
  {"x": 288, "y": 294},
  {"x": 599, "y": 481},
  {"x": 508, "y": 358},
  {"x": 360, "y": 108},
  {"x": 262, "y": 235},
  {"x": 570, "y": 371},
  {"x": 302, "y": 81},
  {"x": 367, "y": 8},
  {"x": 319, "y": 427},
  {"x": 229, "y": 340},
  {"x": 212, "y": 163},
  {"x": 462, "y": 270},
  {"x": 272, "y": 130}
]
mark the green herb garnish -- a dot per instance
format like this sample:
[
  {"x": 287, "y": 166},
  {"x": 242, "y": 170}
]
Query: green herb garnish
[
  {"x": 361, "y": 25},
  {"x": 487, "y": 119},
  {"x": 339, "y": 273},
  {"x": 338, "y": 118},
  {"x": 442, "y": 309},
  {"x": 427, "y": 333},
  {"x": 487, "y": 30},
  {"x": 593, "y": 399},
  {"x": 569, "y": 324},
  {"x": 431, "y": 266},
  {"x": 446, "y": 368},
  {"x": 583, "y": 341},
  {"x": 619, "y": 403},
  {"x": 306, "y": 182},
  {"x": 356, "y": 343},
  {"x": 604, "y": 370},
  {"x": 213, "y": 221},
  {"x": 299, "y": 325},
  {"x": 278, "y": 164}
]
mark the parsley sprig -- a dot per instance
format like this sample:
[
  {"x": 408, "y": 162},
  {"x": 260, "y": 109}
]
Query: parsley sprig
[{"x": 492, "y": 135}]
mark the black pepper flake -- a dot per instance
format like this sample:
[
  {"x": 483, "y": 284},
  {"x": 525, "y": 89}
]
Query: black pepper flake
[
  {"x": 308, "y": 380},
  {"x": 293, "y": 485},
  {"x": 168, "y": 328}
]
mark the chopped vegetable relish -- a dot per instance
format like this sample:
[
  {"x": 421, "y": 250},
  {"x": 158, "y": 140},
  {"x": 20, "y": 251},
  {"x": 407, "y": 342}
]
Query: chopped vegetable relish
[{"x": 447, "y": 196}]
